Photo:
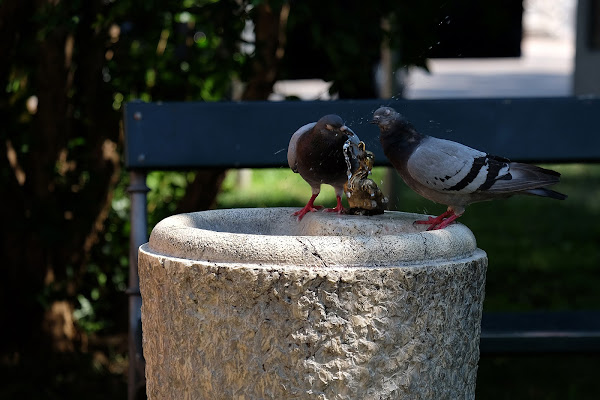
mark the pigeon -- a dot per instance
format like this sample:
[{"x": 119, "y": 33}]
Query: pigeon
[
  {"x": 453, "y": 174},
  {"x": 317, "y": 152}
]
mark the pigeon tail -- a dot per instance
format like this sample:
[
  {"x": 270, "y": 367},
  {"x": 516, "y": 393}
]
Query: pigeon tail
[
  {"x": 533, "y": 171},
  {"x": 525, "y": 177},
  {"x": 543, "y": 192}
]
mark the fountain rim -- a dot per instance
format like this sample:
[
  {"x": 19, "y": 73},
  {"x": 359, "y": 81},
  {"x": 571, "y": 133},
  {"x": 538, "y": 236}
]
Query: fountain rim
[{"x": 176, "y": 236}]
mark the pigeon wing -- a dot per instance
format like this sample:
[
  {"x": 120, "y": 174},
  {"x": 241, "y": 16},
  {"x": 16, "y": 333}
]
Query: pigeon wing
[
  {"x": 291, "y": 155},
  {"x": 446, "y": 166}
]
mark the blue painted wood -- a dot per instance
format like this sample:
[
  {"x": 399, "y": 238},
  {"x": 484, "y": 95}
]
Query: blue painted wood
[
  {"x": 256, "y": 134},
  {"x": 540, "y": 332}
]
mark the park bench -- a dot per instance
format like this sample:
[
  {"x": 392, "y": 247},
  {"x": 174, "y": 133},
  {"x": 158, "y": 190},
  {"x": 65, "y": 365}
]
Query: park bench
[{"x": 194, "y": 135}]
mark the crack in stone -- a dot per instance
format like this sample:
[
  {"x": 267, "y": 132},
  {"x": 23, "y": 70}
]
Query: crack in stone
[
  {"x": 314, "y": 251},
  {"x": 425, "y": 247}
]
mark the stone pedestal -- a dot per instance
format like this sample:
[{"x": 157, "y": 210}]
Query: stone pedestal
[{"x": 251, "y": 304}]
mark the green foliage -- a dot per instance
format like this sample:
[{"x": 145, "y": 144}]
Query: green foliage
[
  {"x": 166, "y": 189},
  {"x": 72, "y": 67},
  {"x": 101, "y": 299},
  {"x": 175, "y": 50},
  {"x": 68, "y": 68}
]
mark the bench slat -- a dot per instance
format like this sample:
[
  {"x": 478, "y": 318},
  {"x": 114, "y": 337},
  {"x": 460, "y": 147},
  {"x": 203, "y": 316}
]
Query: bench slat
[
  {"x": 256, "y": 134},
  {"x": 540, "y": 332}
]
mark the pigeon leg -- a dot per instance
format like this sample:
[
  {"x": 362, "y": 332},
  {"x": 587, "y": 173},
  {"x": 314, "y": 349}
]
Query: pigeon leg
[
  {"x": 434, "y": 221},
  {"x": 339, "y": 208},
  {"x": 444, "y": 223},
  {"x": 309, "y": 207}
]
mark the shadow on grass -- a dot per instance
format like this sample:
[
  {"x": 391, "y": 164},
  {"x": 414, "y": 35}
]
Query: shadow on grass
[
  {"x": 65, "y": 376},
  {"x": 557, "y": 377}
]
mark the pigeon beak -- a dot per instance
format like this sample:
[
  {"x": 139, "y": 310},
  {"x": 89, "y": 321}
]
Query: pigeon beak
[
  {"x": 347, "y": 131},
  {"x": 375, "y": 120}
]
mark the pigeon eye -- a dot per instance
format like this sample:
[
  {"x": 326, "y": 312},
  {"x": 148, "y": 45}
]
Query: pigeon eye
[{"x": 387, "y": 112}]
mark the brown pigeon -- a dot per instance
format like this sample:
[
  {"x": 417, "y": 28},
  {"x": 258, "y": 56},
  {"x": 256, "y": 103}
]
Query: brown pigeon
[{"x": 317, "y": 152}]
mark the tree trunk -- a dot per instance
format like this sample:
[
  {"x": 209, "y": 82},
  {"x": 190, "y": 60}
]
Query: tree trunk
[
  {"x": 269, "y": 29},
  {"x": 65, "y": 189},
  {"x": 270, "y": 43}
]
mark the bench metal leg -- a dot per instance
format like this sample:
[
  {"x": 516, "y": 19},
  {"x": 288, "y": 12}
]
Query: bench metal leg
[{"x": 139, "y": 235}]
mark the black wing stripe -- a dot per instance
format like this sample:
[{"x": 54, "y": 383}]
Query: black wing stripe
[
  {"x": 494, "y": 169},
  {"x": 478, "y": 163}
]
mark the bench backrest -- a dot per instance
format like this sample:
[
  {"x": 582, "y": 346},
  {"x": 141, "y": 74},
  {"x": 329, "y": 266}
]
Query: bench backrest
[{"x": 256, "y": 134}]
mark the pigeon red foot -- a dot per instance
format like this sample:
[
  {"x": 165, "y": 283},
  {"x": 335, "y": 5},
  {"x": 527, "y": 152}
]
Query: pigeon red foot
[
  {"x": 439, "y": 222},
  {"x": 309, "y": 207},
  {"x": 338, "y": 208}
]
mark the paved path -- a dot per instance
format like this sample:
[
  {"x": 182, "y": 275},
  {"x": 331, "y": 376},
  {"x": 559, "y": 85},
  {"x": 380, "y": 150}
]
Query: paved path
[{"x": 544, "y": 69}]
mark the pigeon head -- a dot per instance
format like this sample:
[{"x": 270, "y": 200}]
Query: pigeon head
[
  {"x": 389, "y": 120},
  {"x": 385, "y": 117},
  {"x": 333, "y": 123}
]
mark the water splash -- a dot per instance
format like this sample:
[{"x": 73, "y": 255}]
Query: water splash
[{"x": 347, "y": 154}]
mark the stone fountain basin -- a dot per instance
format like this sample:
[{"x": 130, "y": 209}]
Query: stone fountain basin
[
  {"x": 251, "y": 303},
  {"x": 272, "y": 236}
]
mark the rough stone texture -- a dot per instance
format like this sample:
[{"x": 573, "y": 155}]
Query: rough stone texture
[{"x": 250, "y": 304}]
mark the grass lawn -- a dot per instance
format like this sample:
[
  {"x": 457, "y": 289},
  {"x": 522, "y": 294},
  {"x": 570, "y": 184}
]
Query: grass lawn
[{"x": 543, "y": 255}]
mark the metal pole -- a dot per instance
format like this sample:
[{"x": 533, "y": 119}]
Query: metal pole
[
  {"x": 388, "y": 88},
  {"x": 139, "y": 230}
]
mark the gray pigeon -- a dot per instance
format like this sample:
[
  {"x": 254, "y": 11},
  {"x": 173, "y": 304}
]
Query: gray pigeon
[
  {"x": 453, "y": 174},
  {"x": 317, "y": 152}
]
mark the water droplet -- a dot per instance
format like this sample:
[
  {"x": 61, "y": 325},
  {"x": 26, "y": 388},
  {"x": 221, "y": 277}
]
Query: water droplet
[{"x": 347, "y": 153}]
